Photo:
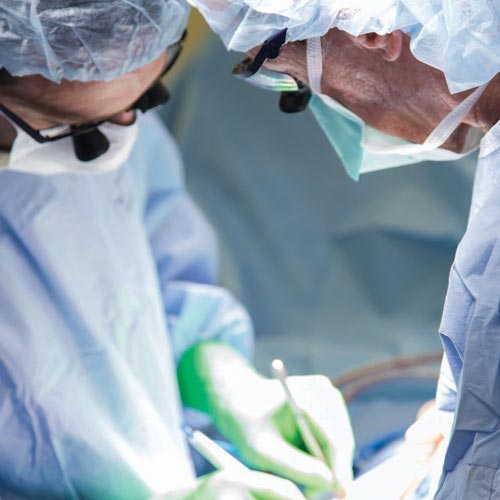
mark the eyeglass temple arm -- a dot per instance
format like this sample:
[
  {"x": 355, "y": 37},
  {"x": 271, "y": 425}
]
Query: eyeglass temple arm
[
  {"x": 270, "y": 49},
  {"x": 34, "y": 134}
]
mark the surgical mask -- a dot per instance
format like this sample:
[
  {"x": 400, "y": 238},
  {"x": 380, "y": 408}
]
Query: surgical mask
[
  {"x": 58, "y": 157},
  {"x": 363, "y": 148}
]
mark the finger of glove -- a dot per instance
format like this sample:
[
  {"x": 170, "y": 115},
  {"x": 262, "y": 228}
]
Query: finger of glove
[
  {"x": 326, "y": 412},
  {"x": 276, "y": 455},
  {"x": 425, "y": 430}
]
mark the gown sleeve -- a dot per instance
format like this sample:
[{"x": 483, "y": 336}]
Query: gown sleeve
[{"x": 185, "y": 251}]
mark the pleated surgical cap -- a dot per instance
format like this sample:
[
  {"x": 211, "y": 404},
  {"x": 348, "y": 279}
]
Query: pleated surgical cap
[
  {"x": 86, "y": 39},
  {"x": 459, "y": 37}
]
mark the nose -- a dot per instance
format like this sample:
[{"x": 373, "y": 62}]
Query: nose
[{"x": 124, "y": 118}]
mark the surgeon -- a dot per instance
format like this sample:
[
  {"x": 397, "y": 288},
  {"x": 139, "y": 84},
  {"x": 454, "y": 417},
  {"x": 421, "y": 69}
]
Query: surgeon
[
  {"x": 110, "y": 320},
  {"x": 394, "y": 82}
]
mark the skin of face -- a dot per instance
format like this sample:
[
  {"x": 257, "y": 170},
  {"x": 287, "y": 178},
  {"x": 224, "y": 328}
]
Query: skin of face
[
  {"x": 44, "y": 104},
  {"x": 378, "y": 78}
]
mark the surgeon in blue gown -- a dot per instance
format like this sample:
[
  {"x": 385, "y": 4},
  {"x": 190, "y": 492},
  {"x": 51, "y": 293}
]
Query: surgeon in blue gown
[
  {"x": 56, "y": 281},
  {"x": 110, "y": 317}
]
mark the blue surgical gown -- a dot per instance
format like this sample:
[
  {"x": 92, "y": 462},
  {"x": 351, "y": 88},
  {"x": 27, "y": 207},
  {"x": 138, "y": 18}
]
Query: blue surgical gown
[
  {"x": 470, "y": 329},
  {"x": 105, "y": 280}
]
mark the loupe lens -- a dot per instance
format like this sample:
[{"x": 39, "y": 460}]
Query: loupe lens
[{"x": 90, "y": 145}]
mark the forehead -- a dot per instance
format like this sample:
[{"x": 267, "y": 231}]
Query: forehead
[{"x": 74, "y": 100}]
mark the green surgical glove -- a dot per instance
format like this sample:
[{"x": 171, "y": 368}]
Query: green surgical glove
[
  {"x": 231, "y": 485},
  {"x": 251, "y": 411}
]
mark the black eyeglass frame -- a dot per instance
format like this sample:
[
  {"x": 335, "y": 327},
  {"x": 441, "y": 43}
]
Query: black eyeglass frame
[
  {"x": 78, "y": 130},
  {"x": 293, "y": 99},
  {"x": 270, "y": 49}
]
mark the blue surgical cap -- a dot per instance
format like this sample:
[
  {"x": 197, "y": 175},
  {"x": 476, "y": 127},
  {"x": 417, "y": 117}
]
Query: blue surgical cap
[
  {"x": 459, "y": 37},
  {"x": 86, "y": 39}
]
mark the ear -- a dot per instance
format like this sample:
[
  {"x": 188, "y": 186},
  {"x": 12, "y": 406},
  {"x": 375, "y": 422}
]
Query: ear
[{"x": 389, "y": 46}]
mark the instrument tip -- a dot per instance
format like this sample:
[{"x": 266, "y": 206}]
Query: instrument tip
[{"x": 277, "y": 365}]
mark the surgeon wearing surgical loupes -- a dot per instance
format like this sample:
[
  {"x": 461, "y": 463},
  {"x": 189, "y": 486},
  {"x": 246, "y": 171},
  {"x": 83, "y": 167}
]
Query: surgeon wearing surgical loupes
[
  {"x": 110, "y": 318},
  {"x": 395, "y": 83}
]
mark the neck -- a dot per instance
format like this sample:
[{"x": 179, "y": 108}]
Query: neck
[{"x": 7, "y": 134}]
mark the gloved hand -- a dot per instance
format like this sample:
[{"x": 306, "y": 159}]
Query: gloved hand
[
  {"x": 425, "y": 434},
  {"x": 425, "y": 441},
  {"x": 232, "y": 485},
  {"x": 251, "y": 411}
]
